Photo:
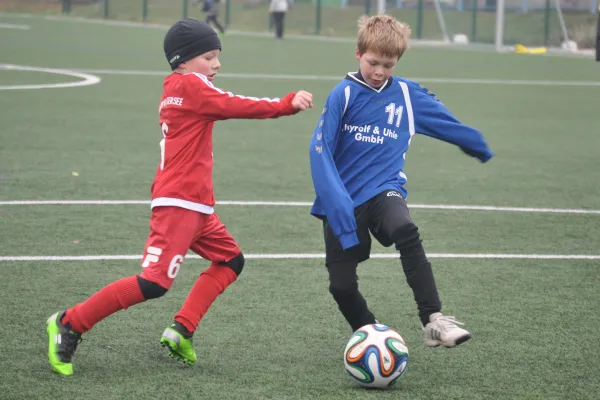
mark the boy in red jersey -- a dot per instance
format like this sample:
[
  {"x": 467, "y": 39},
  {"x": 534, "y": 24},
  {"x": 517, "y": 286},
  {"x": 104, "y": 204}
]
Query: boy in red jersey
[{"x": 182, "y": 200}]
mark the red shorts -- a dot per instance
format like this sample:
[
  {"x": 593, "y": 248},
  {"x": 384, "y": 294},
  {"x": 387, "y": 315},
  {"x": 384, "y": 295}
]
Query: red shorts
[{"x": 174, "y": 231}]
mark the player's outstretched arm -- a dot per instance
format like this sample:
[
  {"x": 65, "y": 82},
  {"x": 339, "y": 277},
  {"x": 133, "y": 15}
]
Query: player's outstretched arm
[
  {"x": 433, "y": 119},
  {"x": 336, "y": 202},
  {"x": 302, "y": 100},
  {"x": 216, "y": 104}
]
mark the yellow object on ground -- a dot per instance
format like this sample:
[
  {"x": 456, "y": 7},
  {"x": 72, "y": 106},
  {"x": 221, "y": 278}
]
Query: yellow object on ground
[{"x": 520, "y": 49}]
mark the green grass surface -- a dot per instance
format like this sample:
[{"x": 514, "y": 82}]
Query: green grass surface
[
  {"x": 276, "y": 333},
  {"x": 534, "y": 334}
]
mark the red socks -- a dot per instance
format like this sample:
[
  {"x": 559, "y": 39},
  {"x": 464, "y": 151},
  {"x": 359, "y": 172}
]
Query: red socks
[
  {"x": 117, "y": 296},
  {"x": 126, "y": 292},
  {"x": 209, "y": 285}
]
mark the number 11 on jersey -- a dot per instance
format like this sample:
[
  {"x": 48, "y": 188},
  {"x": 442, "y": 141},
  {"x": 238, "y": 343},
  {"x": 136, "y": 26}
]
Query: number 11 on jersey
[{"x": 392, "y": 110}]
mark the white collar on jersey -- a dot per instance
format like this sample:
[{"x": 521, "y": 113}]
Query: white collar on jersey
[{"x": 365, "y": 84}]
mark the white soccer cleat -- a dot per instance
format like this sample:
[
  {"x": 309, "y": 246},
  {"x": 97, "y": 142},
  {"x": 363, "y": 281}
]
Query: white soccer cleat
[{"x": 444, "y": 331}]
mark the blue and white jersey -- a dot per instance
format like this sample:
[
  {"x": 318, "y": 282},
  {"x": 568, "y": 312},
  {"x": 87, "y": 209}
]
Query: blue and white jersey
[{"x": 359, "y": 145}]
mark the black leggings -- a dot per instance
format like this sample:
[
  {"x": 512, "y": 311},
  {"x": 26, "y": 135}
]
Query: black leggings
[
  {"x": 278, "y": 17},
  {"x": 387, "y": 218}
]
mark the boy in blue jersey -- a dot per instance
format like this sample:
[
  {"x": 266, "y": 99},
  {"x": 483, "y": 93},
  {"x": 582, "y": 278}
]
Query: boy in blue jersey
[{"x": 357, "y": 157}]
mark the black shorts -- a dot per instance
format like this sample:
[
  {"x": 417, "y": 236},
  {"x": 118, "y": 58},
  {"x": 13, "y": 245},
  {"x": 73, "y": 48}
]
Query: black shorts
[{"x": 381, "y": 216}]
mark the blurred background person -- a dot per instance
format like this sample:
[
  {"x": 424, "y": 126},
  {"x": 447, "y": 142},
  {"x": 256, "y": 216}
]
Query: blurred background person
[
  {"x": 212, "y": 8},
  {"x": 598, "y": 37},
  {"x": 278, "y": 8}
]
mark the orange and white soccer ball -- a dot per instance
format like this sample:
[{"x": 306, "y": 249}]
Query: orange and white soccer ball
[{"x": 376, "y": 356}]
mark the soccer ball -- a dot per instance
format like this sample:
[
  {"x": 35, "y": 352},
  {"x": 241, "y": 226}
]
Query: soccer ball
[{"x": 376, "y": 356}]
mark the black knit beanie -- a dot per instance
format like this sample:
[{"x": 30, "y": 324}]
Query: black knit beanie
[{"x": 187, "y": 39}]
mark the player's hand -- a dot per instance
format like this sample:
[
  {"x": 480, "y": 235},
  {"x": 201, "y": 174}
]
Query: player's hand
[{"x": 302, "y": 100}]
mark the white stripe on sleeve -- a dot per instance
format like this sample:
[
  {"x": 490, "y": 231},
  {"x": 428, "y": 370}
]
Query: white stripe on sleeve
[{"x": 210, "y": 85}]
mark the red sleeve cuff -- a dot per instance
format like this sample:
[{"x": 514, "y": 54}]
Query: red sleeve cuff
[{"x": 287, "y": 104}]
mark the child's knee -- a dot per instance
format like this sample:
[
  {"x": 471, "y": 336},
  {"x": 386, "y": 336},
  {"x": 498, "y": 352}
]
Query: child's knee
[
  {"x": 406, "y": 236},
  {"x": 342, "y": 279},
  {"x": 236, "y": 264},
  {"x": 151, "y": 290},
  {"x": 343, "y": 289}
]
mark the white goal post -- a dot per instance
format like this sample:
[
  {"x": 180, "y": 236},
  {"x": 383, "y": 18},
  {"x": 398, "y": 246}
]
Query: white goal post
[{"x": 499, "y": 35}]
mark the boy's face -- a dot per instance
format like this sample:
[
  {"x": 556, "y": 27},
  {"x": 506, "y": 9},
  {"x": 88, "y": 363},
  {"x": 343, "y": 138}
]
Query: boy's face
[
  {"x": 206, "y": 64},
  {"x": 376, "y": 68}
]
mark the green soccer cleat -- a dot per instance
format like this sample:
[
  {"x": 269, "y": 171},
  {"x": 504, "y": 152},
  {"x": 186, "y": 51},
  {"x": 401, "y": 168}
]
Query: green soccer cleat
[
  {"x": 180, "y": 347},
  {"x": 62, "y": 344}
]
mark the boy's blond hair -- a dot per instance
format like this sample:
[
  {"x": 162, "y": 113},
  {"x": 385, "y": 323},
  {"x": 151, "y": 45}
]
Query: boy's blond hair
[{"x": 382, "y": 34}]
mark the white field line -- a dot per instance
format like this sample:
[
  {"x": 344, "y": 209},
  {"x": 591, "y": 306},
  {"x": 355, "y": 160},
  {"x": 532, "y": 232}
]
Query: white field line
[
  {"x": 91, "y": 79},
  {"x": 459, "y": 81},
  {"x": 15, "y": 26},
  {"x": 305, "y": 256},
  {"x": 301, "y": 204},
  {"x": 86, "y": 79}
]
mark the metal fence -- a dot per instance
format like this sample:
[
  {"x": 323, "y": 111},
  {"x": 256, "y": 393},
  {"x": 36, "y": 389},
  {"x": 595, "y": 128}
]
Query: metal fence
[{"x": 531, "y": 22}]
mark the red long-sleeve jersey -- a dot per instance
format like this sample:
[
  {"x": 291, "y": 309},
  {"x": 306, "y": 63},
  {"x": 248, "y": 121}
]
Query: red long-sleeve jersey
[{"x": 189, "y": 107}]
